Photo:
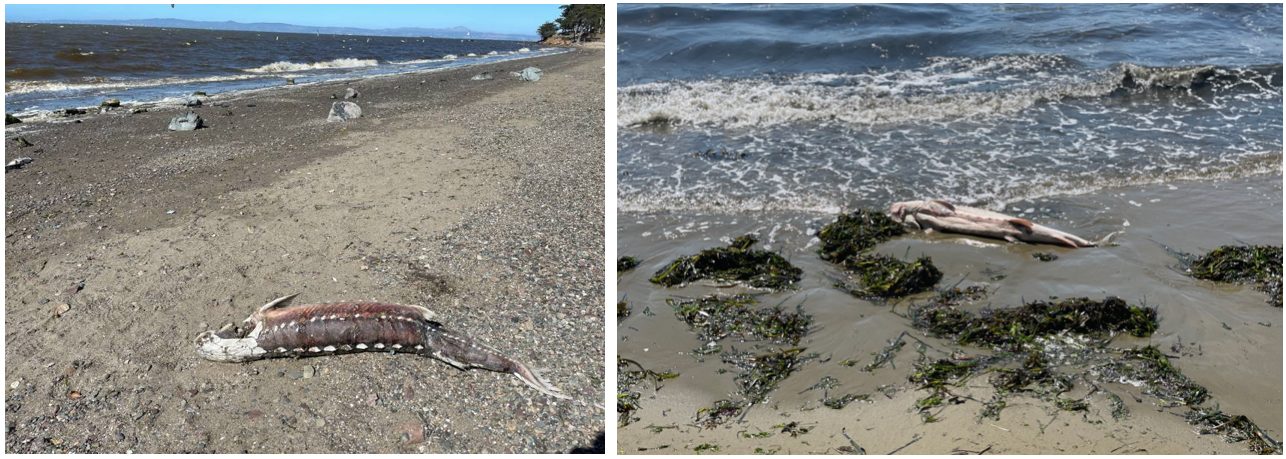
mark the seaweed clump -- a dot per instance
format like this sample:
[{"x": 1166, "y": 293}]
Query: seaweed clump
[
  {"x": 737, "y": 262},
  {"x": 630, "y": 374},
  {"x": 855, "y": 233},
  {"x": 848, "y": 242},
  {"x": 1160, "y": 379},
  {"x": 887, "y": 277},
  {"x": 760, "y": 374},
  {"x": 715, "y": 318},
  {"x": 1014, "y": 327},
  {"x": 1236, "y": 428},
  {"x": 626, "y": 264},
  {"x": 1258, "y": 265}
]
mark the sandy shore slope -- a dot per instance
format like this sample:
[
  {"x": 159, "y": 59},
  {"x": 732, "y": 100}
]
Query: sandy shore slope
[{"x": 479, "y": 199}]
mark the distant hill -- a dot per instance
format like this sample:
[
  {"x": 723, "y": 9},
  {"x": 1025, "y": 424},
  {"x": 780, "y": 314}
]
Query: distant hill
[{"x": 452, "y": 32}]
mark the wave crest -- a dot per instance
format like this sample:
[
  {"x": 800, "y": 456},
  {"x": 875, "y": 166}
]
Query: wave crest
[{"x": 287, "y": 66}]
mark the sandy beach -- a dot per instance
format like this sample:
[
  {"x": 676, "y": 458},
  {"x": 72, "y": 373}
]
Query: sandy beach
[
  {"x": 481, "y": 200},
  {"x": 1224, "y": 337}
]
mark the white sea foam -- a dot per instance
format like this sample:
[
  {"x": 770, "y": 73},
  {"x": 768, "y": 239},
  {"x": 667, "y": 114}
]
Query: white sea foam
[{"x": 286, "y": 66}]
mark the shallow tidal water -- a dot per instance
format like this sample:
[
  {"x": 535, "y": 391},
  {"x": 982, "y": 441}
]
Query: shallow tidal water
[{"x": 1231, "y": 336}]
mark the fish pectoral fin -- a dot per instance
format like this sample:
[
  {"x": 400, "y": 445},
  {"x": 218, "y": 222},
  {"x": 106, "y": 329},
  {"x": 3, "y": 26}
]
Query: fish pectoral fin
[
  {"x": 1011, "y": 238},
  {"x": 944, "y": 203},
  {"x": 279, "y": 302},
  {"x": 1022, "y": 224}
]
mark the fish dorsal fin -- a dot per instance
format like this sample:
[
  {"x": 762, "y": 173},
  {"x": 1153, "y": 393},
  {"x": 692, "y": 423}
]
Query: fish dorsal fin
[
  {"x": 279, "y": 302},
  {"x": 1022, "y": 224},
  {"x": 944, "y": 203}
]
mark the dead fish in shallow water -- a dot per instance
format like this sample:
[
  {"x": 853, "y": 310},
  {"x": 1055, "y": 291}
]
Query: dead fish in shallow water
[
  {"x": 277, "y": 330},
  {"x": 943, "y": 216}
]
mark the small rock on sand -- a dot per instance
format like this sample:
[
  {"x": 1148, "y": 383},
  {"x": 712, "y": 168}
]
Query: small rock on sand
[
  {"x": 290, "y": 81},
  {"x": 70, "y": 112},
  {"x": 344, "y": 111},
  {"x": 530, "y": 74},
  {"x": 483, "y": 76},
  {"x": 21, "y": 142},
  {"x": 111, "y": 103},
  {"x": 411, "y": 433},
  {"x": 10, "y": 119},
  {"x": 61, "y": 308},
  {"x": 351, "y": 93},
  {"x": 186, "y": 122},
  {"x": 192, "y": 101}
]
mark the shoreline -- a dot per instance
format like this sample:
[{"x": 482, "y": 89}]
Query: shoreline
[
  {"x": 1238, "y": 358},
  {"x": 436, "y": 196},
  {"x": 174, "y": 102}
]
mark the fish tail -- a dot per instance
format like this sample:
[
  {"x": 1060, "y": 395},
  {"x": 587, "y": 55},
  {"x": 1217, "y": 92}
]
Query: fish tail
[{"x": 534, "y": 379}]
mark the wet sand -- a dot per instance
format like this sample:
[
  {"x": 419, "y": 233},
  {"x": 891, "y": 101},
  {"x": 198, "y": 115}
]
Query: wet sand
[
  {"x": 1231, "y": 338},
  {"x": 440, "y": 195}
]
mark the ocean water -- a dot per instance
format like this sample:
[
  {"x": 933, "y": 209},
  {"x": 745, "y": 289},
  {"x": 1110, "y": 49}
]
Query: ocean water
[
  {"x": 53, "y": 66},
  {"x": 818, "y": 108}
]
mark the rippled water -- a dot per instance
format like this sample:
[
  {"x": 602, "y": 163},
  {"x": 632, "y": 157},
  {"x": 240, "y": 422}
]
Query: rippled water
[
  {"x": 804, "y": 107},
  {"x": 52, "y": 66}
]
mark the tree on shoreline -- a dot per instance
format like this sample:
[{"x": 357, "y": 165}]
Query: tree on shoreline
[
  {"x": 547, "y": 30},
  {"x": 578, "y": 23}
]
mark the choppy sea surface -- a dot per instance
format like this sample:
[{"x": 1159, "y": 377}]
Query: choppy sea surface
[
  {"x": 829, "y": 107},
  {"x": 53, "y": 66}
]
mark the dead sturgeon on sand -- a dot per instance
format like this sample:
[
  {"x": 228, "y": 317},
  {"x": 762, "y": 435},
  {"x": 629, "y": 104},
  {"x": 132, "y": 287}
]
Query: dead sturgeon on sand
[
  {"x": 277, "y": 330},
  {"x": 943, "y": 216}
]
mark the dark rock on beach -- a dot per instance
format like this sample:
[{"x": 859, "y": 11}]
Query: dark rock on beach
[
  {"x": 351, "y": 93},
  {"x": 10, "y": 119}
]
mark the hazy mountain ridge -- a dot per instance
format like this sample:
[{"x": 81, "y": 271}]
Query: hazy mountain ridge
[{"x": 449, "y": 32}]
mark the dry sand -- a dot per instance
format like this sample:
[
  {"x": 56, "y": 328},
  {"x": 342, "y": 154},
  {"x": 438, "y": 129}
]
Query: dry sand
[
  {"x": 1224, "y": 337},
  {"x": 479, "y": 199}
]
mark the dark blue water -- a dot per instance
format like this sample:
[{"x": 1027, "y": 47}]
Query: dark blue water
[
  {"x": 820, "y": 107},
  {"x": 52, "y": 66}
]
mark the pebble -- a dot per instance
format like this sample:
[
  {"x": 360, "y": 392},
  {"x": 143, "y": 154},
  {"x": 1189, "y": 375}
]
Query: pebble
[
  {"x": 61, "y": 309},
  {"x": 309, "y": 372}
]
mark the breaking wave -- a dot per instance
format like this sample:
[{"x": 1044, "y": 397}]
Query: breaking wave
[
  {"x": 286, "y": 66},
  {"x": 945, "y": 89}
]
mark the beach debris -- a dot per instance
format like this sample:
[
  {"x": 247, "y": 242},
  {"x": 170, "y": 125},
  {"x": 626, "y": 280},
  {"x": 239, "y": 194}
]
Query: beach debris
[
  {"x": 344, "y": 111},
  {"x": 1151, "y": 369},
  {"x": 1044, "y": 256},
  {"x": 10, "y": 119},
  {"x": 351, "y": 93},
  {"x": 626, "y": 264},
  {"x": 883, "y": 276},
  {"x": 943, "y": 216},
  {"x": 530, "y": 74},
  {"x": 17, "y": 163},
  {"x": 735, "y": 263},
  {"x": 761, "y": 373},
  {"x": 65, "y": 112},
  {"x": 192, "y": 101},
  {"x": 21, "y": 142},
  {"x": 854, "y": 233},
  {"x": 1012, "y": 328},
  {"x": 718, "y": 413},
  {"x": 186, "y": 122},
  {"x": 1257, "y": 265},
  {"x": 1234, "y": 429},
  {"x": 630, "y": 374},
  {"x": 278, "y": 330},
  {"x": 137, "y": 110},
  {"x": 61, "y": 309},
  {"x": 483, "y": 76},
  {"x": 110, "y": 103},
  {"x": 622, "y": 310},
  {"x": 714, "y": 318}
]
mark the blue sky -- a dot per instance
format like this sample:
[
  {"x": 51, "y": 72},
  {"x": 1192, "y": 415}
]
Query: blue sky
[{"x": 519, "y": 19}]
